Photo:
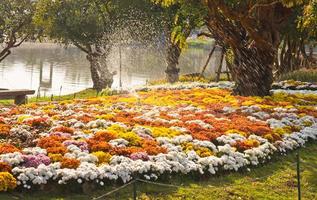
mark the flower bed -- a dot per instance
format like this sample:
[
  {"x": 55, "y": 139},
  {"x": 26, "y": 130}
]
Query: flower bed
[
  {"x": 295, "y": 85},
  {"x": 156, "y": 131}
]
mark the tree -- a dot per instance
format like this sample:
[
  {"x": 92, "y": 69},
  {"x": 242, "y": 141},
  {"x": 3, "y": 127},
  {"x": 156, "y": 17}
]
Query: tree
[
  {"x": 309, "y": 26},
  {"x": 298, "y": 33},
  {"x": 86, "y": 24},
  {"x": 250, "y": 29},
  {"x": 309, "y": 17},
  {"x": 178, "y": 21},
  {"x": 15, "y": 24}
]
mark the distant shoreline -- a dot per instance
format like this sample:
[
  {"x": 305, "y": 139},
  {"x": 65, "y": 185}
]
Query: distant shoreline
[{"x": 43, "y": 45}]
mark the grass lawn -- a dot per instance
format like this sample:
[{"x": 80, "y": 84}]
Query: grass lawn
[
  {"x": 305, "y": 75},
  {"x": 274, "y": 180},
  {"x": 199, "y": 43},
  {"x": 87, "y": 93}
]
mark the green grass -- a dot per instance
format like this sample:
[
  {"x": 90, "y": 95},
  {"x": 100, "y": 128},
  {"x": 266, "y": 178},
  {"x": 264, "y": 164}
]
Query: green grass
[
  {"x": 199, "y": 43},
  {"x": 84, "y": 94},
  {"x": 301, "y": 75},
  {"x": 274, "y": 180},
  {"x": 87, "y": 93}
]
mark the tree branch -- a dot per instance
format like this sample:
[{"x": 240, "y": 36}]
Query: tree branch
[
  {"x": 81, "y": 47},
  {"x": 18, "y": 44},
  {"x": 262, "y": 5},
  {"x": 247, "y": 22},
  {"x": 204, "y": 34},
  {"x": 2, "y": 57}
]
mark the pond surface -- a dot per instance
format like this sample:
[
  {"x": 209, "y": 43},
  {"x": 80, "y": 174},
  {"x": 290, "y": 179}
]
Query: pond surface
[{"x": 53, "y": 69}]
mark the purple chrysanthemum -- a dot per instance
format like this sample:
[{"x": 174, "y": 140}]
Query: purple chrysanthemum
[
  {"x": 139, "y": 156},
  {"x": 35, "y": 161}
]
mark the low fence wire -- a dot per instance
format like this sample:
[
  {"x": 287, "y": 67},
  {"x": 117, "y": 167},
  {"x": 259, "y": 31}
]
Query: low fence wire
[
  {"x": 116, "y": 190},
  {"x": 135, "y": 181}
]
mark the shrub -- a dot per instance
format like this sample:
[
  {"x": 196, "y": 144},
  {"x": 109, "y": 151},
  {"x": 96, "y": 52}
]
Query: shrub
[
  {"x": 247, "y": 144},
  {"x": 37, "y": 122},
  {"x": 51, "y": 141},
  {"x": 57, "y": 150},
  {"x": 4, "y": 130},
  {"x": 55, "y": 157},
  {"x": 304, "y": 75},
  {"x": 98, "y": 146},
  {"x": 152, "y": 148},
  {"x": 5, "y": 167},
  {"x": 102, "y": 157},
  {"x": 7, "y": 181},
  {"x": 104, "y": 136},
  {"x": 8, "y": 148},
  {"x": 35, "y": 161},
  {"x": 70, "y": 163},
  {"x": 63, "y": 129}
]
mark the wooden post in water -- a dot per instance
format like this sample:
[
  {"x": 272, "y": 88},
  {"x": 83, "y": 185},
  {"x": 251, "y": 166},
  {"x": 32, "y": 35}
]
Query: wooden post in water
[
  {"x": 60, "y": 92},
  {"x": 120, "y": 66},
  {"x": 38, "y": 94}
]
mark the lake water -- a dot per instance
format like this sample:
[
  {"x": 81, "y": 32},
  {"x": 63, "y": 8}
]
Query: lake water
[{"x": 53, "y": 69}]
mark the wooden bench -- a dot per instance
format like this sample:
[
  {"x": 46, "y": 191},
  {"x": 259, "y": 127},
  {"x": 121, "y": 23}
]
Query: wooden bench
[{"x": 19, "y": 96}]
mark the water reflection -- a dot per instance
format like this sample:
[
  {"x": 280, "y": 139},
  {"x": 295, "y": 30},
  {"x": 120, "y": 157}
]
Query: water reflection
[
  {"x": 53, "y": 69},
  {"x": 46, "y": 76}
]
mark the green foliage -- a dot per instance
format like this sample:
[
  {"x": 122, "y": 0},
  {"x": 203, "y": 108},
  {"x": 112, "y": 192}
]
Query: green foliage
[
  {"x": 86, "y": 23},
  {"x": 166, "y": 3},
  {"x": 183, "y": 79},
  {"x": 292, "y": 3},
  {"x": 84, "y": 94},
  {"x": 310, "y": 18},
  {"x": 199, "y": 43},
  {"x": 15, "y": 24},
  {"x": 181, "y": 18},
  {"x": 229, "y": 56},
  {"x": 301, "y": 75},
  {"x": 15, "y": 18},
  {"x": 80, "y": 22}
]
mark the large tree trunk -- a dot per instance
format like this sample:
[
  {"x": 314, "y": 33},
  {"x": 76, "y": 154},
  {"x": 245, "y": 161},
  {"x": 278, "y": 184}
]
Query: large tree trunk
[
  {"x": 253, "y": 72},
  {"x": 102, "y": 78},
  {"x": 252, "y": 67},
  {"x": 172, "y": 57},
  {"x": 252, "y": 32}
]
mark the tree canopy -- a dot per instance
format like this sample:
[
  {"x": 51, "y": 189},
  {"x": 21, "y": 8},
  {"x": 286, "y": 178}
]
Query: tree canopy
[
  {"x": 251, "y": 30},
  {"x": 179, "y": 20},
  {"x": 260, "y": 36},
  {"x": 310, "y": 18},
  {"x": 85, "y": 24},
  {"x": 15, "y": 24},
  {"x": 182, "y": 18},
  {"x": 79, "y": 22}
]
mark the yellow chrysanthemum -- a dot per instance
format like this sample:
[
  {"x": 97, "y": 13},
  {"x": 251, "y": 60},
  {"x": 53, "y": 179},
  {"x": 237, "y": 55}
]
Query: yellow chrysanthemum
[{"x": 7, "y": 181}]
